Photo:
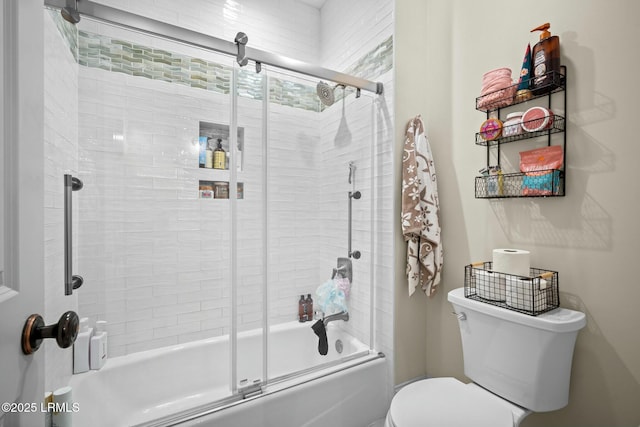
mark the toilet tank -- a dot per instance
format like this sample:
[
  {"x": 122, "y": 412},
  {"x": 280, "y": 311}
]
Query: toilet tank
[{"x": 524, "y": 359}]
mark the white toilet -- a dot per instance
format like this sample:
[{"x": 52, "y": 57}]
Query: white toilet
[{"x": 518, "y": 364}]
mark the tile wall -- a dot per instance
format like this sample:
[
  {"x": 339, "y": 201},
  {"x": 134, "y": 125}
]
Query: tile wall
[{"x": 357, "y": 37}]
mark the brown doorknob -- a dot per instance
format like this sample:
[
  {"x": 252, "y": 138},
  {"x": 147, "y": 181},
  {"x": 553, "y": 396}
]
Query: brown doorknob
[{"x": 34, "y": 331}]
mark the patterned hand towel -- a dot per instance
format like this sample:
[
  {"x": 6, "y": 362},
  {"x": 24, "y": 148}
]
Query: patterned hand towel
[{"x": 420, "y": 211}]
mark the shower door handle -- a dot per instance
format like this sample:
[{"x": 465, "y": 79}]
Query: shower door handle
[
  {"x": 71, "y": 281},
  {"x": 352, "y": 195}
]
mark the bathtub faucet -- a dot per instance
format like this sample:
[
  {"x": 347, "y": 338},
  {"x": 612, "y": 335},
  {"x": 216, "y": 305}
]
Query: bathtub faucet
[{"x": 343, "y": 315}]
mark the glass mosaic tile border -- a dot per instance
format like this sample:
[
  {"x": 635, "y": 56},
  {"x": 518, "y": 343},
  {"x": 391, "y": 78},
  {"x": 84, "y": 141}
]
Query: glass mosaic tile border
[
  {"x": 121, "y": 56},
  {"x": 68, "y": 31}
]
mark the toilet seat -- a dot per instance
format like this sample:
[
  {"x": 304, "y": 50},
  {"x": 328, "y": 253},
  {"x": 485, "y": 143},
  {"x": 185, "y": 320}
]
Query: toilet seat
[{"x": 447, "y": 402}]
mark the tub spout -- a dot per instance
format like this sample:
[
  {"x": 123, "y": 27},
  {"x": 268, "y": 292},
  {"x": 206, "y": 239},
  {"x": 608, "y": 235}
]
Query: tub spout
[{"x": 343, "y": 315}]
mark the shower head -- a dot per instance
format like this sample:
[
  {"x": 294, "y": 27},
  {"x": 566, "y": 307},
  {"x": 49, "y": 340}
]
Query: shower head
[
  {"x": 70, "y": 14},
  {"x": 325, "y": 93}
]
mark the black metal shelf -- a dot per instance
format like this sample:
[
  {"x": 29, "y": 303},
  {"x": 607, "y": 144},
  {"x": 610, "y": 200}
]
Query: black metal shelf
[
  {"x": 558, "y": 126},
  {"x": 557, "y": 84},
  {"x": 547, "y": 183}
]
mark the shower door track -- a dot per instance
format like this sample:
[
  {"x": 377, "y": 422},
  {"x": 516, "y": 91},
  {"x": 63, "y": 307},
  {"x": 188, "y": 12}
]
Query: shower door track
[{"x": 182, "y": 35}]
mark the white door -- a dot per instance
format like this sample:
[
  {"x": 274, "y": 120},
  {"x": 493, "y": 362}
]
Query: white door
[{"x": 21, "y": 207}]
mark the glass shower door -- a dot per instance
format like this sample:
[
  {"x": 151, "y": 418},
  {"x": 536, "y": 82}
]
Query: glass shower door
[
  {"x": 154, "y": 217},
  {"x": 249, "y": 225},
  {"x": 317, "y": 155},
  {"x": 214, "y": 198}
]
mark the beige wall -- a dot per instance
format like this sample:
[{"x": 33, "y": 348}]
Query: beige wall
[{"x": 591, "y": 236}]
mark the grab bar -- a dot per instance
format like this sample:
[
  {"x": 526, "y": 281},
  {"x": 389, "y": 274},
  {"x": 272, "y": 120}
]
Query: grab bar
[
  {"x": 71, "y": 281},
  {"x": 352, "y": 195}
]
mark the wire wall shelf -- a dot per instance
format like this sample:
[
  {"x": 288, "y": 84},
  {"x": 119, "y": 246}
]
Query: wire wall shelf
[
  {"x": 544, "y": 183},
  {"x": 557, "y": 126}
]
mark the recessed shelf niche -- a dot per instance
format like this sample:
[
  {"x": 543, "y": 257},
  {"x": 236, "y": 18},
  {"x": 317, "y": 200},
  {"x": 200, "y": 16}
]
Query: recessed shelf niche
[
  {"x": 218, "y": 189},
  {"x": 215, "y": 182},
  {"x": 209, "y": 134}
]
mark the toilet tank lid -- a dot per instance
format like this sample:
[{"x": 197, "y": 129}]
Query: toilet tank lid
[{"x": 556, "y": 320}]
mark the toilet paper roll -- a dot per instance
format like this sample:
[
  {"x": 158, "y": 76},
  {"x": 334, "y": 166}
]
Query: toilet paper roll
[
  {"x": 523, "y": 294},
  {"x": 511, "y": 261},
  {"x": 490, "y": 286}
]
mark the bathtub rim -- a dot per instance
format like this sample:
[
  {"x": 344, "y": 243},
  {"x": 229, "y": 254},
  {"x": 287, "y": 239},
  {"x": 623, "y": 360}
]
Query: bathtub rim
[{"x": 141, "y": 356}]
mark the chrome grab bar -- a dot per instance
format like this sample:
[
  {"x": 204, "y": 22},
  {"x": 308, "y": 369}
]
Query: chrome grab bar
[
  {"x": 352, "y": 195},
  {"x": 71, "y": 281}
]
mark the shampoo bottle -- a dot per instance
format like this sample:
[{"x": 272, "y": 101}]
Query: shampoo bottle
[
  {"x": 62, "y": 415},
  {"x": 546, "y": 62},
  {"x": 219, "y": 156},
  {"x": 302, "y": 309},
  {"x": 98, "y": 350},
  {"x": 209, "y": 156},
  {"x": 309, "y": 302},
  {"x": 81, "y": 347},
  {"x": 48, "y": 412}
]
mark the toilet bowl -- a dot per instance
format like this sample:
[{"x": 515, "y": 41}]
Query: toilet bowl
[
  {"x": 447, "y": 402},
  {"x": 518, "y": 364}
]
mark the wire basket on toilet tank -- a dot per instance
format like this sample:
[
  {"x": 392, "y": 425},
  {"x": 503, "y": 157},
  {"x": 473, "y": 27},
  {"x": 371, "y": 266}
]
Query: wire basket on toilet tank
[{"x": 531, "y": 295}]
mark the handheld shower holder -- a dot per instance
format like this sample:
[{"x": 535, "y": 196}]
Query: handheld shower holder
[{"x": 344, "y": 269}]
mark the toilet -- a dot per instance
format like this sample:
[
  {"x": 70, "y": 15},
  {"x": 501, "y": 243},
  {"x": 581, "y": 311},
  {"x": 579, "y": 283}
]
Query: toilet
[{"x": 518, "y": 363}]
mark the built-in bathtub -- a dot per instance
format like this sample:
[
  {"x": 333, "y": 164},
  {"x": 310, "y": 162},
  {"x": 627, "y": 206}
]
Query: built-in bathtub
[{"x": 188, "y": 384}]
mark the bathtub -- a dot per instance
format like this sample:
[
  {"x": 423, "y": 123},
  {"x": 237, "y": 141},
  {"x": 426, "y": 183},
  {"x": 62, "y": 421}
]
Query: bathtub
[{"x": 188, "y": 384}]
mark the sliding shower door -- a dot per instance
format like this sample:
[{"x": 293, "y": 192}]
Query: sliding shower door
[
  {"x": 155, "y": 216},
  {"x": 249, "y": 225},
  {"x": 316, "y": 155},
  {"x": 214, "y": 198}
]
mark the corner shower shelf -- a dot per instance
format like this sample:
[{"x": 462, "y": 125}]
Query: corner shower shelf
[{"x": 510, "y": 185}]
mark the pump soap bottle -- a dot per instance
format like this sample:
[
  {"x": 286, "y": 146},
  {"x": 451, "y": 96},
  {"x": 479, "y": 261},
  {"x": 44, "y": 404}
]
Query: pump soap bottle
[
  {"x": 546, "y": 62},
  {"x": 302, "y": 309},
  {"x": 81, "y": 347},
  {"x": 309, "y": 302},
  {"x": 208, "y": 155},
  {"x": 99, "y": 346},
  {"x": 219, "y": 156}
]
